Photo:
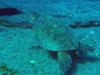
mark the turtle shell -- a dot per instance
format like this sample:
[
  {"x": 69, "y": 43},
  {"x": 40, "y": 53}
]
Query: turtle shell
[{"x": 53, "y": 35}]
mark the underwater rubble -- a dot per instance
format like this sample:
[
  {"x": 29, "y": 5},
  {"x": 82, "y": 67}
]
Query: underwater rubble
[
  {"x": 87, "y": 24},
  {"x": 9, "y": 24},
  {"x": 9, "y": 11},
  {"x": 5, "y": 70}
]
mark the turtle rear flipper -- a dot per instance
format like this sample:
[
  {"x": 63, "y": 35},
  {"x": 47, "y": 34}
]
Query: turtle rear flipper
[
  {"x": 64, "y": 61},
  {"x": 83, "y": 49}
]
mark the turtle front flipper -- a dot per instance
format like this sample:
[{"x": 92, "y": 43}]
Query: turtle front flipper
[{"x": 64, "y": 61}]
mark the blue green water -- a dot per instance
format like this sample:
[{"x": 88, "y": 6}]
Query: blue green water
[{"x": 18, "y": 52}]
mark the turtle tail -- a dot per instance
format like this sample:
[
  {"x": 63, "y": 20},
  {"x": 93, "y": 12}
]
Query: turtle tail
[{"x": 64, "y": 61}]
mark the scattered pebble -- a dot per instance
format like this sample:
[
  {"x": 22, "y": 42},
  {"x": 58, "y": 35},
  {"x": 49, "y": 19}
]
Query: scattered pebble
[
  {"x": 87, "y": 37},
  {"x": 92, "y": 32},
  {"x": 97, "y": 54},
  {"x": 32, "y": 62}
]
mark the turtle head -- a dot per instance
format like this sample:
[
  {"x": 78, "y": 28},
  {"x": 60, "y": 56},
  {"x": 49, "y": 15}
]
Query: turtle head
[{"x": 33, "y": 17}]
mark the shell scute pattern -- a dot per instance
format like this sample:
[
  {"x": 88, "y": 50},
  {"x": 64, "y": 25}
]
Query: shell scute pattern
[{"x": 57, "y": 35}]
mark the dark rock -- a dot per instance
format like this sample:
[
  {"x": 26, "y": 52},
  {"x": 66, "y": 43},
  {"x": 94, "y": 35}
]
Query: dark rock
[
  {"x": 87, "y": 24},
  {"x": 9, "y": 11}
]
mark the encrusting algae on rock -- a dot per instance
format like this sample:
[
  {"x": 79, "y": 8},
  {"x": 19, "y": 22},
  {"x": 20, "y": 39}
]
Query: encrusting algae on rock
[
  {"x": 6, "y": 70},
  {"x": 9, "y": 24}
]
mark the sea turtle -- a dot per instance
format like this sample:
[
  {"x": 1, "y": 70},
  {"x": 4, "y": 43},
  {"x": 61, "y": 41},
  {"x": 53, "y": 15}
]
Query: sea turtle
[{"x": 54, "y": 36}]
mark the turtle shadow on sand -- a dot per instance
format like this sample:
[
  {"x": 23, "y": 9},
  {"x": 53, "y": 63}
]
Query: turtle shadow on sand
[
  {"x": 77, "y": 59},
  {"x": 80, "y": 59}
]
